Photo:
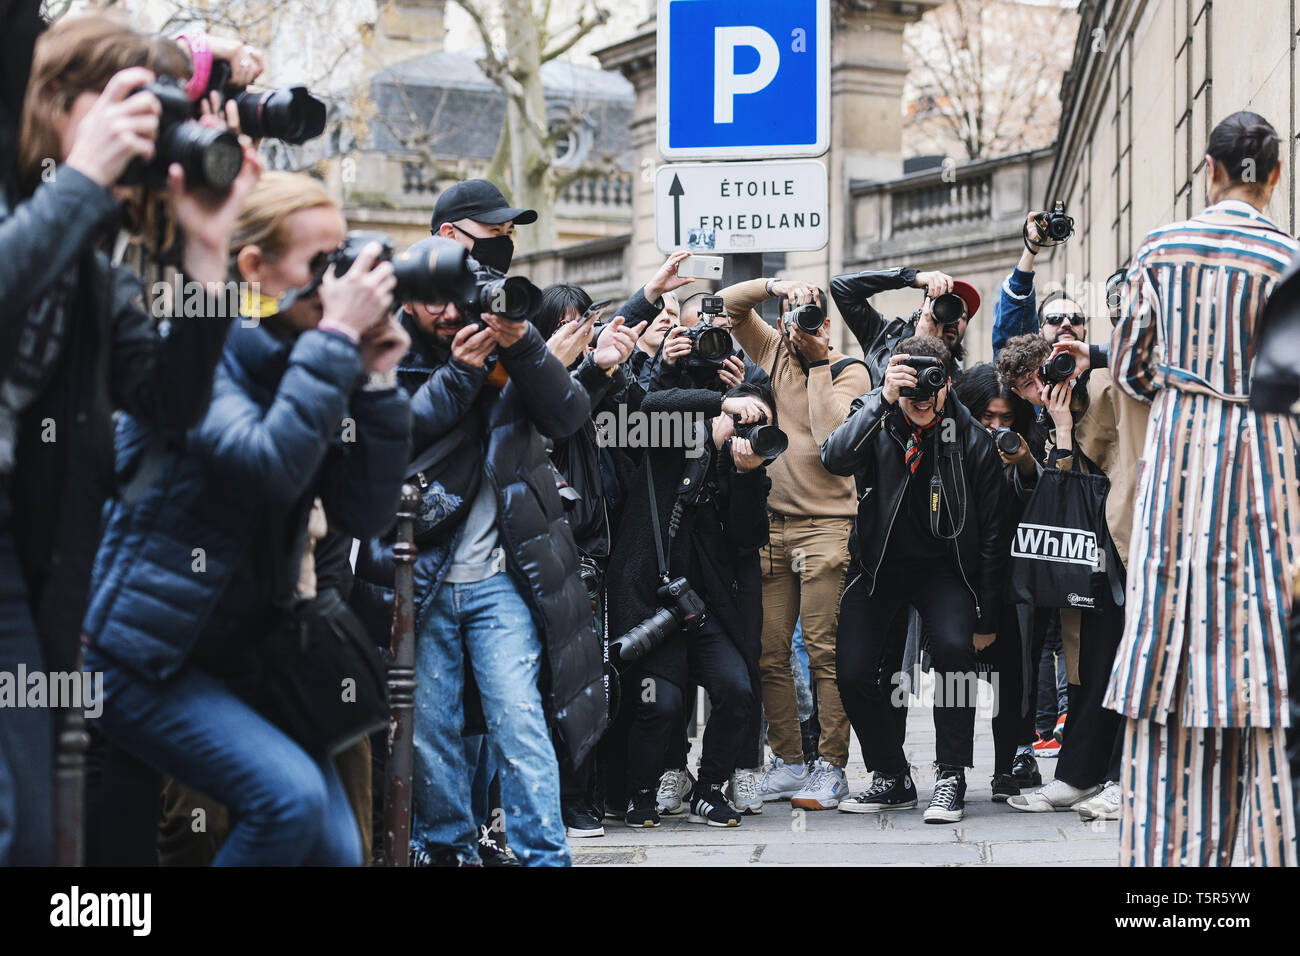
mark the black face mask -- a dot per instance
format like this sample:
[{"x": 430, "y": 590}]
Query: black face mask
[{"x": 495, "y": 252}]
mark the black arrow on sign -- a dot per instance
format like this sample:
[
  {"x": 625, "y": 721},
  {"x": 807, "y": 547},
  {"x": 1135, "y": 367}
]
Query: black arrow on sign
[{"x": 676, "y": 191}]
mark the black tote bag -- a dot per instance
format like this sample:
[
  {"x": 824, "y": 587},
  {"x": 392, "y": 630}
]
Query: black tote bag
[{"x": 1061, "y": 550}]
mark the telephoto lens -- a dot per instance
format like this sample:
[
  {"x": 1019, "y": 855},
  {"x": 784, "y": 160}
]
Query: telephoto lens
[
  {"x": 513, "y": 298},
  {"x": 643, "y": 638},
  {"x": 209, "y": 155},
  {"x": 1057, "y": 369},
  {"x": 807, "y": 318},
  {"x": 1007, "y": 440},
  {"x": 947, "y": 308},
  {"x": 291, "y": 115},
  {"x": 767, "y": 441}
]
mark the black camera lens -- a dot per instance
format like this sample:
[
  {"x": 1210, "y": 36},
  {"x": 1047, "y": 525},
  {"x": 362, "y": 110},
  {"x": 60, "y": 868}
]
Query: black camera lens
[
  {"x": 768, "y": 441},
  {"x": 291, "y": 115},
  {"x": 931, "y": 376},
  {"x": 1007, "y": 440},
  {"x": 643, "y": 638},
  {"x": 511, "y": 297},
  {"x": 711, "y": 343},
  {"x": 932, "y": 379},
  {"x": 209, "y": 156},
  {"x": 947, "y": 309},
  {"x": 1057, "y": 369},
  {"x": 807, "y": 318},
  {"x": 433, "y": 270}
]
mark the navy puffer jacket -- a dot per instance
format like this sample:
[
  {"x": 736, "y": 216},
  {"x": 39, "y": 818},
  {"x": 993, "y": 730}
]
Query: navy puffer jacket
[
  {"x": 541, "y": 399},
  {"x": 287, "y": 423}
]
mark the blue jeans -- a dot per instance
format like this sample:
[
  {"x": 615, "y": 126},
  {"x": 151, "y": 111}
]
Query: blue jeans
[
  {"x": 286, "y": 808},
  {"x": 26, "y": 733},
  {"x": 488, "y": 623}
]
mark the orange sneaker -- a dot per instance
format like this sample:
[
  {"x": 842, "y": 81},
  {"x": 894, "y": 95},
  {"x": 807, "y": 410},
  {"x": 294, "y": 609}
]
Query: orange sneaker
[
  {"x": 1059, "y": 730},
  {"x": 1046, "y": 747}
]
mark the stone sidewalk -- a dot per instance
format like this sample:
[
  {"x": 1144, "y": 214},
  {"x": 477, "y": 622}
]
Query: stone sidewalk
[{"x": 990, "y": 835}]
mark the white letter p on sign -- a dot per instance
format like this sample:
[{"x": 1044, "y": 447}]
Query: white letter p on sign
[{"x": 726, "y": 83}]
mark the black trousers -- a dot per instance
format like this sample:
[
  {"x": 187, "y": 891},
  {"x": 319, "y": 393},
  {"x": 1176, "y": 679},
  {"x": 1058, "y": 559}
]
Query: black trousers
[
  {"x": 659, "y": 705},
  {"x": 1090, "y": 751},
  {"x": 872, "y": 699},
  {"x": 1005, "y": 658}
]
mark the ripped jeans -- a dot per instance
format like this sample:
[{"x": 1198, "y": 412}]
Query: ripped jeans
[{"x": 488, "y": 625}]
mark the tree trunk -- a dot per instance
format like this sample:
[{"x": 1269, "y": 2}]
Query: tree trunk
[{"x": 531, "y": 153}]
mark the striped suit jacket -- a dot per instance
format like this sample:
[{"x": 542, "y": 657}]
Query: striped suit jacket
[{"x": 1216, "y": 521}]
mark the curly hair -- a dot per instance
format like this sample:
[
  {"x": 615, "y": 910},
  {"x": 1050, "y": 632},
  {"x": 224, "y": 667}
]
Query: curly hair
[
  {"x": 1023, "y": 355},
  {"x": 925, "y": 345}
]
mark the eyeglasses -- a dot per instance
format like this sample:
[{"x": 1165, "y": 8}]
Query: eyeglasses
[{"x": 1074, "y": 318}]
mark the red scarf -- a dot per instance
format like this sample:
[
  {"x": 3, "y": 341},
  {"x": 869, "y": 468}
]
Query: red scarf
[{"x": 916, "y": 441}]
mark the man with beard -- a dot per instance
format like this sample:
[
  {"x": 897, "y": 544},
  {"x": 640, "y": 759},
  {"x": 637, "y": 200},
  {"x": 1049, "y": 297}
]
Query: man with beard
[{"x": 877, "y": 336}]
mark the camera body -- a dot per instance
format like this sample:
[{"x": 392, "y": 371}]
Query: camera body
[
  {"x": 1055, "y": 225},
  {"x": 710, "y": 345},
  {"x": 1057, "y": 369},
  {"x": 440, "y": 270},
  {"x": 210, "y": 156},
  {"x": 931, "y": 376},
  {"x": 1008, "y": 442},
  {"x": 682, "y": 609}
]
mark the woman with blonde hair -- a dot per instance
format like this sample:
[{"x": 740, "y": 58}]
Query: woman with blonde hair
[{"x": 305, "y": 417}]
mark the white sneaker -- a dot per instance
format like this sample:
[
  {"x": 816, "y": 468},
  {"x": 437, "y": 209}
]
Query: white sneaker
[
  {"x": 1104, "y": 806},
  {"x": 674, "y": 786},
  {"x": 744, "y": 792},
  {"x": 781, "y": 780},
  {"x": 1057, "y": 795},
  {"x": 825, "y": 788}
]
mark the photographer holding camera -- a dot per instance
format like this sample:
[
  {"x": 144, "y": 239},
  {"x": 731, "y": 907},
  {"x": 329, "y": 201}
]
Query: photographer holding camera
[
  {"x": 190, "y": 660},
  {"x": 688, "y": 526},
  {"x": 810, "y": 515},
  {"x": 929, "y": 534},
  {"x": 498, "y": 588},
  {"x": 75, "y": 344},
  {"x": 949, "y": 306},
  {"x": 1102, "y": 435}
]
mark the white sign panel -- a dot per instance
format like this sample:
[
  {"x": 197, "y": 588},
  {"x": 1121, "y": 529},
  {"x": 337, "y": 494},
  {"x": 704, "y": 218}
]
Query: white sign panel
[{"x": 722, "y": 208}]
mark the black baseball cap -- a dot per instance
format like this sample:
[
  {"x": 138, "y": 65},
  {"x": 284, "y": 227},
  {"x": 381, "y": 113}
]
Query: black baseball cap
[{"x": 479, "y": 200}]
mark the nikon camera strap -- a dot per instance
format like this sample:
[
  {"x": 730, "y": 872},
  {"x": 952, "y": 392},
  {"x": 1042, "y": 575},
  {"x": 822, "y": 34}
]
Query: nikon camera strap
[{"x": 654, "y": 521}]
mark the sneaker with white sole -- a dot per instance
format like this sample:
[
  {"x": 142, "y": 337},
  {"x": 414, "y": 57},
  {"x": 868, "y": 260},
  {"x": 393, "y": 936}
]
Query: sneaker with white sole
[
  {"x": 885, "y": 793},
  {"x": 743, "y": 788},
  {"x": 1104, "y": 806},
  {"x": 825, "y": 788},
  {"x": 674, "y": 787},
  {"x": 948, "y": 801},
  {"x": 782, "y": 780},
  {"x": 1057, "y": 795},
  {"x": 709, "y": 806}
]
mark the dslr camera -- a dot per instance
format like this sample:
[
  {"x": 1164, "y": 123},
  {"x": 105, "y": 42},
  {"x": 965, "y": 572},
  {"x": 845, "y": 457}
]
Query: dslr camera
[
  {"x": 291, "y": 115},
  {"x": 1057, "y": 369},
  {"x": 931, "y": 376},
  {"x": 948, "y": 308},
  {"x": 710, "y": 345},
  {"x": 210, "y": 156},
  {"x": 806, "y": 318},
  {"x": 682, "y": 610},
  {"x": 444, "y": 273},
  {"x": 1008, "y": 442},
  {"x": 1055, "y": 225},
  {"x": 766, "y": 440}
]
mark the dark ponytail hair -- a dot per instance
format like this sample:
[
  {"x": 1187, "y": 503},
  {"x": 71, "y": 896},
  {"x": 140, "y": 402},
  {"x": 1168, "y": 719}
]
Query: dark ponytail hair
[{"x": 1247, "y": 147}]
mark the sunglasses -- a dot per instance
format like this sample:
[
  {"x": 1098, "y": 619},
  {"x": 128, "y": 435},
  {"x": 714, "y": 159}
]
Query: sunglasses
[{"x": 1074, "y": 318}]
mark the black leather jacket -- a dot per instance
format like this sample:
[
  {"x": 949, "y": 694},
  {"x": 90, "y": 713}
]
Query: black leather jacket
[{"x": 870, "y": 445}]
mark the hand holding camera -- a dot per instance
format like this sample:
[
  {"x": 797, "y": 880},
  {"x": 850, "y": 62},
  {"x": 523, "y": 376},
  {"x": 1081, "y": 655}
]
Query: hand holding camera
[
  {"x": 473, "y": 344},
  {"x": 1076, "y": 350},
  {"x": 732, "y": 372},
  {"x": 121, "y": 126},
  {"x": 746, "y": 408},
  {"x": 677, "y": 344},
  {"x": 1058, "y": 406},
  {"x": 1013, "y": 450},
  {"x": 358, "y": 300},
  {"x": 383, "y": 345},
  {"x": 744, "y": 456},
  {"x": 898, "y": 376},
  {"x": 934, "y": 283}
]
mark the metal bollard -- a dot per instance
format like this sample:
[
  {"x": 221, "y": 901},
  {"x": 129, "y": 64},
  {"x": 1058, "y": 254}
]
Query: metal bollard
[
  {"x": 70, "y": 785},
  {"x": 401, "y": 687}
]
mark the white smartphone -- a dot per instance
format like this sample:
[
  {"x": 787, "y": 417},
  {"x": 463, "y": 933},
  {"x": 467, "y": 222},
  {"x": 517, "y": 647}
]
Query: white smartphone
[{"x": 701, "y": 267}]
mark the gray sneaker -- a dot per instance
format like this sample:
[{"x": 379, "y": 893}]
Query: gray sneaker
[
  {"x": 744, "y": 792},
  {"x": 825, "y": 788},
  {"x": 782, "y": 780},
  {"x": 674, "y": 787}
]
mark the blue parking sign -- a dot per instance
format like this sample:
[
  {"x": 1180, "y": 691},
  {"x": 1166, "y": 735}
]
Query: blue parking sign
[{"x": 744, "y": 79}]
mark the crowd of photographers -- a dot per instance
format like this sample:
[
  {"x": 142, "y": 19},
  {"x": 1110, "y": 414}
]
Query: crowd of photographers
[{"x": 617, "y": 505}]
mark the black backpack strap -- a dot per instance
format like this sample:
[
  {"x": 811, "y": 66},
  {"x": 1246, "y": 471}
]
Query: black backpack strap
[{"x": 844, "y": 363}]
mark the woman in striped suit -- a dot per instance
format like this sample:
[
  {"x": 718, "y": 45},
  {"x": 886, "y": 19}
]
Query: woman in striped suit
[{"x": 1201, "y": 672}]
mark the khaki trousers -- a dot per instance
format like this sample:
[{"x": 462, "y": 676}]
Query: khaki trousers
[{"x": 804, "y": 566}]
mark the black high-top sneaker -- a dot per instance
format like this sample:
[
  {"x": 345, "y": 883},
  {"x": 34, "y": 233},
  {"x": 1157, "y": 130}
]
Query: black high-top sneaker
[
  {"x": 887, "y": 792},
  {"x": 948, "y": 802},
  {"x": 708, "y": 805},
  {"x": 641, "y": 810}
]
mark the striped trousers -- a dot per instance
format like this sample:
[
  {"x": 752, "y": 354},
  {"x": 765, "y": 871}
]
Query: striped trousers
[{"x": 1187, "y": 790}]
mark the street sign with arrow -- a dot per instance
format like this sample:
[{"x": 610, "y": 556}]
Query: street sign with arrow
[{"x": 775, "y": 206}]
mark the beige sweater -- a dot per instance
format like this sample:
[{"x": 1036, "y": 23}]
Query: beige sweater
[{"x": 808, "y": 408}]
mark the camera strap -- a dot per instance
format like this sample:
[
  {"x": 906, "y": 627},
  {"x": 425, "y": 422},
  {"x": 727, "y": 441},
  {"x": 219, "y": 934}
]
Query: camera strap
[{"x": 654, "y": 522}]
